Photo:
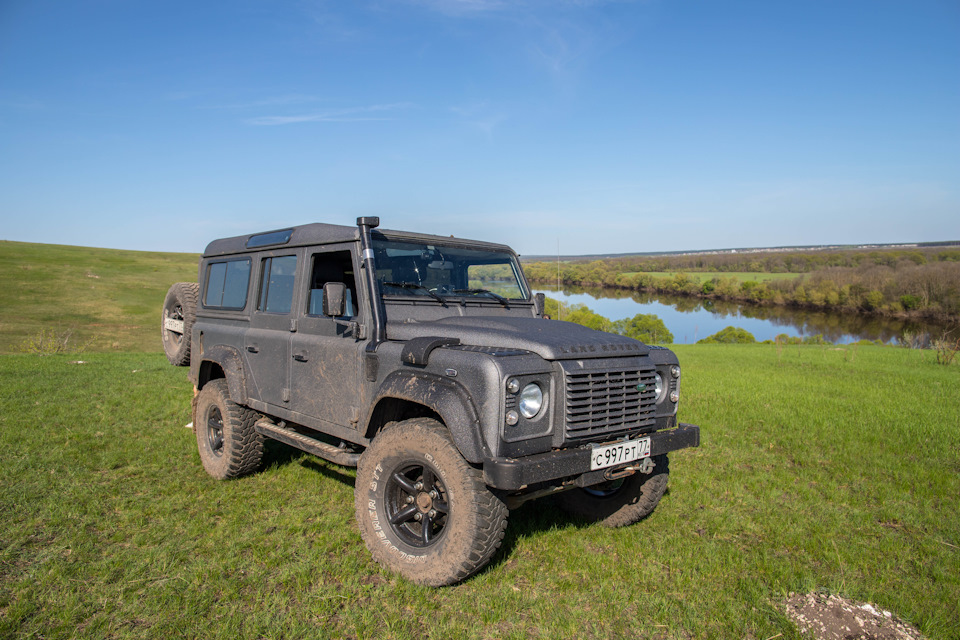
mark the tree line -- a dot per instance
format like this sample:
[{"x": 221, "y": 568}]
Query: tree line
[{"x": 920, "y": 282}]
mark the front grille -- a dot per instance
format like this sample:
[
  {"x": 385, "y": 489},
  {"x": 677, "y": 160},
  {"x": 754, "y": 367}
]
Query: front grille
[{"x": 607, "y": 404}]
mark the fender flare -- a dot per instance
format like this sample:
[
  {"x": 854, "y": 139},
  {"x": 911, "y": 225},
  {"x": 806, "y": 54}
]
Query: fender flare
[
  {"x": 230, "y": 360},
  {"x": 447, "y": 398}
]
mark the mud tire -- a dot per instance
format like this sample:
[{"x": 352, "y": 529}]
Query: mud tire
[
  {"x": 180, "y": 304},
  {"x": 437, "y": 550},
  {"x": 228, "y": 444},
  {"x": 619, "y": 503}
]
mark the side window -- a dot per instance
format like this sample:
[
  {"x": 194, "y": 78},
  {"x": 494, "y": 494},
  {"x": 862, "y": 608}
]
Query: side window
[
  {"x": 276, "y": 284},
  {"x": 227, "y": 284},
  {"x": 333, "y": 266}
]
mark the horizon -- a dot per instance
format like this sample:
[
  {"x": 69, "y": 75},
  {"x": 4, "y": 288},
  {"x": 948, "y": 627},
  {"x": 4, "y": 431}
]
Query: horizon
[
  {"x": 600, "y": 256},
  {"x": 575, "y": 127}
]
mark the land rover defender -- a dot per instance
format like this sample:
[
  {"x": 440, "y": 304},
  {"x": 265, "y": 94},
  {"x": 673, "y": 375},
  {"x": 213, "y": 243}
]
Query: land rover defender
[{"x": 427, "y": 363}]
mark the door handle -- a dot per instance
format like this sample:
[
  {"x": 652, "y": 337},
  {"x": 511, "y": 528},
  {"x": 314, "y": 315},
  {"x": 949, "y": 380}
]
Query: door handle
[
  {"x": 253, "y": 349},
  {"x": 299, "y": 357}
]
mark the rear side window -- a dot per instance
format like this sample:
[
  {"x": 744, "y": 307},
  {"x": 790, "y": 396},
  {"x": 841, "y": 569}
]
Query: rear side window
[
  {"x": 227, "y": 284},
  {"x": 276, "y": 288}
]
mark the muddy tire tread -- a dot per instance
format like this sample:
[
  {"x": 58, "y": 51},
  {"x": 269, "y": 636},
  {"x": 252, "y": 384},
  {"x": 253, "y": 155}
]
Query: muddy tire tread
[
  {"x": 487, "y": 522},
  {"x": 189, "y": 296},
  {"x": 243, "y": 446},
  {"x": 641, "y": 495}
]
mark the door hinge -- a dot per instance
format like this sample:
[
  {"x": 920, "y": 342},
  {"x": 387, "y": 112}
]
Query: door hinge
[{"x": 285, "y": 395}]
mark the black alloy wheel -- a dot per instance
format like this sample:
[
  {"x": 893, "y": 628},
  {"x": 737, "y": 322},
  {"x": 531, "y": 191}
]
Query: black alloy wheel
[
  {"x": 215, "y": 430},
  {"x": 416, "y": 503}
]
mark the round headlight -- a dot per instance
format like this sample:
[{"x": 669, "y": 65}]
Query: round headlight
[
  {"x": 531, "y": 400},
  {"x": 658, "y": 387}
]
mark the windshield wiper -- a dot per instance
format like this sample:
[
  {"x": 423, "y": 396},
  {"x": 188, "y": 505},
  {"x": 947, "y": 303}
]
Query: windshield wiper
[
  {"x": 414, "y": 285},
  {"x": 499, "y": 298}
]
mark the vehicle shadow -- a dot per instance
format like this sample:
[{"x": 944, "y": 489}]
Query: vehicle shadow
[
  {"x": 279, "y": 455},
  {"x": 533, "y": 518}
]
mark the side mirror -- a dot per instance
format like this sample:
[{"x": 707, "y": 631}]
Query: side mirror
[
  {"x": 334, "y": 299},
  {"x": 539, "y": 303}
]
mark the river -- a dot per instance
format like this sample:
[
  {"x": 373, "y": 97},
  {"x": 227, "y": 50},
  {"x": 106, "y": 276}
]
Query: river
[{"x": 691, "y": 319}]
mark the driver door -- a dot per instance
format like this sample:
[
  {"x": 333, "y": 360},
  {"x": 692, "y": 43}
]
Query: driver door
[{"x": 326, "y": 354}]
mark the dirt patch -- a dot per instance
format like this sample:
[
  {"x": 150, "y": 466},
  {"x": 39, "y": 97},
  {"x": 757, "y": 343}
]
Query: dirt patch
[{"x": 829, "y": 617}]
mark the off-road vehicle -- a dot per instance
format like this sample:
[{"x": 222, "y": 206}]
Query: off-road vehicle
[{"x": 425, "y": 362}]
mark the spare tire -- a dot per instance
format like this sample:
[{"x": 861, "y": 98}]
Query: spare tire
[{"x": 179, "y": 314}]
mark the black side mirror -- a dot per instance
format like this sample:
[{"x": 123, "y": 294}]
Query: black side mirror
[
  {"x": 334, "y": 299},
  {"x": 539, "y": 303}
]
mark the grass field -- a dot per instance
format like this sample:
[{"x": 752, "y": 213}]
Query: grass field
[
  {"x": 109, "y": 299},
  {"x": 820, "y": 469},
  {"x": 704, "y": 276}
]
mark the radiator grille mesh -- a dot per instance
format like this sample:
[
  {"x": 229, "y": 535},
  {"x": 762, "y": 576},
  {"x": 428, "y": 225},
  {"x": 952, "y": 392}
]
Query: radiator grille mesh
[{"x": 604, "y": 404}]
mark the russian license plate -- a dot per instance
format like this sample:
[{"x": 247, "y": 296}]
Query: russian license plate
[
  {"x": 614, "y": 454},
  {"x": 173, "y": 324}
]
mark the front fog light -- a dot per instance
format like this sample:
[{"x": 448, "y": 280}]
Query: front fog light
[
  {"x": 512, "y": 417},
  {"x": 657, "y": 387},
  {"x": 531, "y": 400}
]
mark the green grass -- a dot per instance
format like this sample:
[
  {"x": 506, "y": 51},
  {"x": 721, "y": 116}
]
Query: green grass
[
  {"x": 703, "y": 276},
  {"x": 110, "y": 299},
  {"x": 820, "y": 468}
]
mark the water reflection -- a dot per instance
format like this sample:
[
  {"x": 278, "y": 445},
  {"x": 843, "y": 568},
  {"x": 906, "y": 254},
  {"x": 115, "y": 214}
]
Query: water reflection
[{"x": 691, "y": 319}]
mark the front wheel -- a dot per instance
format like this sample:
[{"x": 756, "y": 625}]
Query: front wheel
[
  {"x": 619, "y": 503},
  {"x": 423, "y": 511}
]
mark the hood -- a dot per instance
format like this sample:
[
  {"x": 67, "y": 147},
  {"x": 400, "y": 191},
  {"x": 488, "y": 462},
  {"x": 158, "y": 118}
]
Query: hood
[{"x": 550, "y": 339}]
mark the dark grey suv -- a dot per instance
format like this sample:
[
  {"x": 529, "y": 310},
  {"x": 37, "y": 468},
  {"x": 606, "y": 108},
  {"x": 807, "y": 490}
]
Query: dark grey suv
[{"x": 425, "y": 362}]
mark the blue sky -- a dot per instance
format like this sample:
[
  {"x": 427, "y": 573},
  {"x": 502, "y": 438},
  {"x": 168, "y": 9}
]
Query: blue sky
[{"x": 600, "y": 126}]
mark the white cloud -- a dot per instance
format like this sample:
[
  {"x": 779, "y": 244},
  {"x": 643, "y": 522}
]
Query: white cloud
[
  {"x": 474, "y": 7},
  {"x": 464, "y": 7},
  {"x": 274, "y": 101},
  {"x": 480, "y": 116},
  {"x": 350, "y": 114}
]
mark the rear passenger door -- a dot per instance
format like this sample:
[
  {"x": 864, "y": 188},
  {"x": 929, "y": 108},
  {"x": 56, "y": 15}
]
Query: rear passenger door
[{"x": 272, "y": 322}]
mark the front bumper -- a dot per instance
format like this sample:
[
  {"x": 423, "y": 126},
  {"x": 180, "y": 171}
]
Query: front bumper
[{"x": 514, "y": 474}]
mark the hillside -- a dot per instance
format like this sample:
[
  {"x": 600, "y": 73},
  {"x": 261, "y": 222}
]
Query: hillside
[{"x": 108, "y": 298}]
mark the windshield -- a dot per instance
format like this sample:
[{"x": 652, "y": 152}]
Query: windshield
[{"x": 440, "y": 271}]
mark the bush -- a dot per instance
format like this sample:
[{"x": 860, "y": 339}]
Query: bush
[
  {"x": 946, "y": 349},
  {"x": 910, "y": 302},
  {"x": 645, "y": 327},
  {"x": 581, "y": 314},
  {"x": 730, "y": 335},
  {"x": 51, "y": 342}
]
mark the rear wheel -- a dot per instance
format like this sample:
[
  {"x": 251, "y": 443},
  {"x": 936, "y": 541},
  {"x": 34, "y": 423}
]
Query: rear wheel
[
  {"x": 423, "y": 511},
  {"x": 619, "y": 503},
  {"x": 229, "y": 445},
  {"x": 179, "y": 314}
]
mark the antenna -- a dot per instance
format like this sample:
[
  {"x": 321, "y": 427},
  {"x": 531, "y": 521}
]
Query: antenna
[{"x": 559, "y": 301}]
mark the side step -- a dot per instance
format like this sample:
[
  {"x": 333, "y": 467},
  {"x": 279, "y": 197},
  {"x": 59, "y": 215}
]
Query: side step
[{"x": 306, "y": 443}]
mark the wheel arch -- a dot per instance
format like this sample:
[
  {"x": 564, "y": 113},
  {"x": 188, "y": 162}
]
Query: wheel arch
[
  {"x": 408, "y": 394},
  {"x": 222, "y": 361}
]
